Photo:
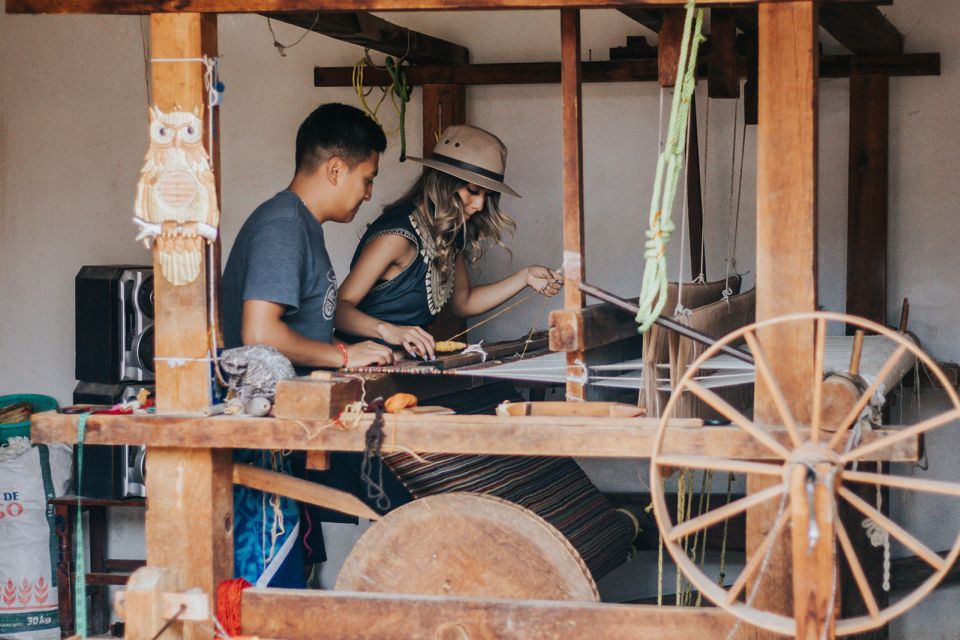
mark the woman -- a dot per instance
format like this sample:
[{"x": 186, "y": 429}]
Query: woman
[{"x": 412, "y": 260}]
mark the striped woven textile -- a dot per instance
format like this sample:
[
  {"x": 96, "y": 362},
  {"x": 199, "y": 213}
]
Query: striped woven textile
[{"x": 556, "y": 489}]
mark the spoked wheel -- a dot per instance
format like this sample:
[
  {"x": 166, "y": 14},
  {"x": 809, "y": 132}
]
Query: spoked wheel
[{"x": 829, "y": 460}]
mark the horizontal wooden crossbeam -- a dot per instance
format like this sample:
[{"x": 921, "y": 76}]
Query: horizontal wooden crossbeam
[
  {"x": 916, "y": 64},
  {"x": 278, "y": 613},
  {"x": 861, "y": 29},
  {"x": 366, "y": 30},
  {"x": 134, "y": 7},
  {"x": 497, "y": 435}
]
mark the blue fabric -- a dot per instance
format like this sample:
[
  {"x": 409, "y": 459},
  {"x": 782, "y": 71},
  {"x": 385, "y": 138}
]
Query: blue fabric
[
  {"x": 254, "y": 550},
  {"x": 280, "y": 256}
]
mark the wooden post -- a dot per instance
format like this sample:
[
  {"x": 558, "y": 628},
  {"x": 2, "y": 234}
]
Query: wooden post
[
  {"x": 698, "y": 255},
  {"x": 786, "y": 240},
  {"x": 573, "y": 246},
  {"x": 189, "y": 525},
  {"x": 867, "y": 202},
  {"x": 443, "y": 105},
  {"x": 812, "y": 542},
  {"x": 668, "y": 47},
  {"x": 723, "y": 75}
]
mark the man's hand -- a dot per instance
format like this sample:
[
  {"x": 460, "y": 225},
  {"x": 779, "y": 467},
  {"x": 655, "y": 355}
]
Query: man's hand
[
  {"x": 414, "y": 340},
  {"x": 368, "y": 353}
]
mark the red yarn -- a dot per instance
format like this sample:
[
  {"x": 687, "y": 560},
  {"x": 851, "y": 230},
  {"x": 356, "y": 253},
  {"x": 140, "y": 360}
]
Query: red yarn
[{"x": 228, "y": 604}]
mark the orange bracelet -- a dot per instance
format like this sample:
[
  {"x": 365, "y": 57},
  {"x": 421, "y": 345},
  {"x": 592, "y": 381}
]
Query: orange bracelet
[{"x": 343, "y": 352}]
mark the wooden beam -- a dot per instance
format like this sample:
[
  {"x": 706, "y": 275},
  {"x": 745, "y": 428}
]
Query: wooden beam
[
  {"x": 595, "y": 326},
  {"x": 495, "y": 435},
  {"x": 369, "y": 31},
  {"x": 189, "y": 525},
  {"x": 301, "y": 491},
  {"x": 443, "y": 105},
  {"x": 751, "y": 89},
  {"x": 142, "y": 7},
  {"x": 573, "y": 238},
  {"x": 867, "y": 200},
  {"x": 278, "y": 613},
  {"x": 842, "y": 66},
  {"x": 861, "y": 29},
  {"x": 813, "y": 567},
  {"x": 786, "y": 246},
  {"x": 698, "y": 255},
  {"x": 668, "y": 48},
  {"x": 724, "y": 77}
]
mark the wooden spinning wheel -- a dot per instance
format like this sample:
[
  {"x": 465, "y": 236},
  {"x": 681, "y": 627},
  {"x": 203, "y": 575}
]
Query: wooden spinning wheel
[{"x": 811, "y": 471}]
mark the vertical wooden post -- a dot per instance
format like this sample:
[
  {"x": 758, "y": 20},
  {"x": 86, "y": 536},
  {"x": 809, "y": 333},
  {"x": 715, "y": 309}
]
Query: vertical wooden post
[
  {"x": 573, "y": 245},
  {"x": 786, "y": 239},
  {"x": 668, "y": 46},
  {"x": 443, "y": 105},
  {"x": 867, "y": 203},
  {"x": 723, "y": 78},
  {"x": 812, "y": 542},
  {"x": 698, "y": 255},
  {"x": 189, "y": 524}
]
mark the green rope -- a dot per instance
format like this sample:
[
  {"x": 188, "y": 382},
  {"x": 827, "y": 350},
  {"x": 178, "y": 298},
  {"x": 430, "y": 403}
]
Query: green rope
[
  {"x": 80, "y": 560},
  {"x": 653, "y": 293},
  {"x": 401, "y": 88}
]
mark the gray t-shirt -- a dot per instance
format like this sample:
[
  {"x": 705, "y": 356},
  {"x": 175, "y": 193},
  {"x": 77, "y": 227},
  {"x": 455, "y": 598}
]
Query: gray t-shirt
[{"x": 280, "y": 256}]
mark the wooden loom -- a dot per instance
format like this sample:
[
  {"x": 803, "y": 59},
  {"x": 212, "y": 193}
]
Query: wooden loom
[{"x": 189, "y": 537}]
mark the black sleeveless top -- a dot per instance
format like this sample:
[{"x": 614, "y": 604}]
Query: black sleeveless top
[{"x": 417, "y": 294}]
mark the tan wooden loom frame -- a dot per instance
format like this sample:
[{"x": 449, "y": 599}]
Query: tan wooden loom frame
[{"x": 189, "y": 521}]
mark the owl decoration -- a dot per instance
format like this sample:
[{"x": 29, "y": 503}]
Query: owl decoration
[{"x": 176, "y": 196}]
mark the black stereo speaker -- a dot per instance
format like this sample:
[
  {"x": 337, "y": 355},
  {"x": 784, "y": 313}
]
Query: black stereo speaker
[{"x": 114, "y": 324}]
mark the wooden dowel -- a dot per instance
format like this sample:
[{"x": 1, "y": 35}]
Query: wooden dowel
[
  {"x": 737, "y": 418},
  {"x": 819, "y": 348},
  {"x": 911, "y": 484},
  {"x": 904, "y": 315},
  {"x": 676, "y": 327},
  {"x": 764, "y": 371},
  {"x": 857, "y": 353},
  {"x": 723, "y": 513},
  {"x": 718, "y": 464},
  {"x": 856, "y": 569},
  {"x": 895, "y": 530}
]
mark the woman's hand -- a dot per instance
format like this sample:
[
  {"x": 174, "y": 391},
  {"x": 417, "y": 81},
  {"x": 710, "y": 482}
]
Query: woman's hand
[
  {"x": 414, "y": 340},
  {"x": 368, "y": 353},
  {"x": 543, "y": 280}
]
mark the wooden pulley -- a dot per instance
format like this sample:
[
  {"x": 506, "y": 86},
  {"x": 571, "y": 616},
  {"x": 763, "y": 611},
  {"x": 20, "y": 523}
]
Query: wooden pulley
[
  {"x": 841, "y": 390},
  {"x": 467, "y": 544}
]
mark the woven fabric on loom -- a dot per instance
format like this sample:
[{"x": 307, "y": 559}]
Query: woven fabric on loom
[{"x": 556, "y": 489}]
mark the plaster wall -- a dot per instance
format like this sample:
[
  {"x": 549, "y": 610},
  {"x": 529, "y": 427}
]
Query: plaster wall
[{"x": 73, "y": 101}]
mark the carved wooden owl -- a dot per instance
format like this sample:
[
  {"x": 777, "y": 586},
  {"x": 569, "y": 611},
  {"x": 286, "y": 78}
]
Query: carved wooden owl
[{"x": 176, "y": 195}]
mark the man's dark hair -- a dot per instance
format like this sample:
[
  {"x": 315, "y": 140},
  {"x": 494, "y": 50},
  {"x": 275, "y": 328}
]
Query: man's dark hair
[{"x": 337, "y": 130}]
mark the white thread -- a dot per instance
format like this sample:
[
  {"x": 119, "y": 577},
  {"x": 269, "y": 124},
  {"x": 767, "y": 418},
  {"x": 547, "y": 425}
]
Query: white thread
[{"x": 477, "y": 348}]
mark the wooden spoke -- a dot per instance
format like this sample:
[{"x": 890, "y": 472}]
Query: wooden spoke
[
  {"x": 764, "y": 371},
  {"x": 856, "y": 569},
  {"x": 757, "y": 558},
  {"x": 820, "y": 348},
  {"x": 719, "y": 464},
  {"x": 912, "y": 484},
  {"x": 895, "y": 530},
  {"x": 910, "y": 432},
  {"x": 866, "y": 395},
  {"x": 722, "y": 513},
  {"x": 723, "y": 407}
]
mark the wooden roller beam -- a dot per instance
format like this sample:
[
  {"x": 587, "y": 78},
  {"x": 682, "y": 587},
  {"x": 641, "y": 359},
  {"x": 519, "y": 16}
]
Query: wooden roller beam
[
  {"x": 278, "y": 613},
  {"x": 142, "y": 7},
  {"x": 495, "y": 435}
]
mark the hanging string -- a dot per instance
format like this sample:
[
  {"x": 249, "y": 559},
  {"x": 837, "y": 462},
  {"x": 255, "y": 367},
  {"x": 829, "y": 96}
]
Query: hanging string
[
  {"x": 733, "y": 224},
  {"x": 282, "y": 48},
  {"x": 684, "y": 223},
  {"x": 653, "y": 293},
  {"x": 701, "y": 276},
  {"x": 489, "y": 318}
]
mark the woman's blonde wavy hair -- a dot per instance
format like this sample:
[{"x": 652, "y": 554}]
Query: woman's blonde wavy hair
[{"x": 435, "y": 193}]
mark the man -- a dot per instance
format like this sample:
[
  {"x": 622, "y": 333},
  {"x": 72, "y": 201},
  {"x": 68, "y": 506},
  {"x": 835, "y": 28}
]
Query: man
[{"x": 279, "y": 289}]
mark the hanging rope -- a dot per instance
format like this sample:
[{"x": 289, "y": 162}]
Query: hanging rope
[
  {"x": 398, "y": 91},
  {"x": 734, "y": 214},
  {"x": 653, "y": 293}
]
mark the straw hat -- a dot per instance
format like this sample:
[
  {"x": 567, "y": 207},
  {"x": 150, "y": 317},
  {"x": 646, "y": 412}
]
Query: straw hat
[{"x": 471, "y": 154}]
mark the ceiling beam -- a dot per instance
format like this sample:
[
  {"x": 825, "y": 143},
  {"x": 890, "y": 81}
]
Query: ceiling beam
[
  {"x": 861, "y": 29},
  {"x": 915, "y": 64},
  {"x": 375, "y": 33},
  {"x": 650, "y": 18},
  {"x": 139, "y": 7}
]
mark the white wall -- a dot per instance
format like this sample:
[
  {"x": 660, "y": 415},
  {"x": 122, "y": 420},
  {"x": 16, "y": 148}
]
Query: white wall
[{"x": 72, "y": 136}]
